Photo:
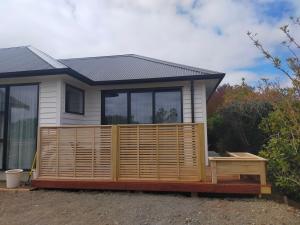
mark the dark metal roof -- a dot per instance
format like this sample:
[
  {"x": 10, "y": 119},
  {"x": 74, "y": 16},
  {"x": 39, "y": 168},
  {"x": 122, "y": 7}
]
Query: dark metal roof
[
  {"x": 29, "y": 61},
  {"x": 21, "y": 59},
  {"x": 131, "y": 67}
]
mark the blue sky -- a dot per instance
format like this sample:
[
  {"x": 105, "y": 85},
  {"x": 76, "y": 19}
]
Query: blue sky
[{"x": 202, "y": 33}]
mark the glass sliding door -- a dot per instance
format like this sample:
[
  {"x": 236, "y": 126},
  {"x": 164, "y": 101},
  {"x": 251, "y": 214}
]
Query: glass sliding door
[
  {"x": 22, "y": 126},
  {"x": 2, "y": 120}
]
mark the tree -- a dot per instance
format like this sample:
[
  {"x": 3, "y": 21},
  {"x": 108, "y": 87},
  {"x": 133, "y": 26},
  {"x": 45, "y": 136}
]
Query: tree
[
  {"x": 240, "y": 112},
  {"x": 217, "y": 99},
  {"x": 283, "y": 125}
]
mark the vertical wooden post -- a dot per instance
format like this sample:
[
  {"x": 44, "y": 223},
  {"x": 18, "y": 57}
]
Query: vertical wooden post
[
  {"x": 114, "y": 149},
  {"x": 38, "y": 152},
  {"x": 75, "y": 150},
  {"x": 57, "y": 151},
  {"x": 201, "y": 149},
  {"x": 138, "y": 149},
  {"x": 157, "y": 152},
  {"x": 213, "y": 168},
  {"x": 263, "y": 179},
  {"x": 177, "y": 153},
  {"x": 93, "y": 151}
]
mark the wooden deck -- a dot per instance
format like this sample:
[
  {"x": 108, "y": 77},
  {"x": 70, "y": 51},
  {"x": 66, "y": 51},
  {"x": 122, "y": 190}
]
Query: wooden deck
[
  {"x": 225, "y": 185},
  {"x": 153, "y": 157},
  {"x": 166, "y": 186}
]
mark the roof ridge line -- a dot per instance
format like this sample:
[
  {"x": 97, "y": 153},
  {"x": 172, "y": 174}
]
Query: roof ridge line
[
  {"x": 24, "y": 46},
  {"x": 95, "y": 57},
  {"x": 27, "y": 47},
  {"x": 42, "y": 55}
]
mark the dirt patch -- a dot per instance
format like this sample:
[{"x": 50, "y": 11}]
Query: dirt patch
[{"x": 66, "y": 207}]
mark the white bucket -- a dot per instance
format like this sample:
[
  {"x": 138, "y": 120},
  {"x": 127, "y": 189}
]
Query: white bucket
[{"x": 13, "y": 178}]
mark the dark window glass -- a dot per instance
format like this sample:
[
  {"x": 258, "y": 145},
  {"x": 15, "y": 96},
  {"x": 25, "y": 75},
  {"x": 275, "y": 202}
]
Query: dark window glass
[
  {"x": 164, "y": 108},
  {"x": 115, "y": 108},
  {"x": 2, "y": 114},
  {"x": 141, "y": 107},
  {"x": 74, "y": 100},
  {"x": 168, "y": 107}
]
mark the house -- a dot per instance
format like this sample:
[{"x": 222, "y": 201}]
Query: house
[
  {"x": 91, "y": 91},
  {"x": 112, "y": 118}
]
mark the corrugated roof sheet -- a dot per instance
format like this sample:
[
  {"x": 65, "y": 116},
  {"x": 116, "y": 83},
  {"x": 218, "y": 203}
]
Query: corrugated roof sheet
[
  {"x": 130, "y": 67},
  {"x": 21, "y": 59}
]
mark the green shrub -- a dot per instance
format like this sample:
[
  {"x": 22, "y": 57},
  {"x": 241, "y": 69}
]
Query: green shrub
[
  {"x": 283, "y": 147},
  {"x": 235, "y": 126}
]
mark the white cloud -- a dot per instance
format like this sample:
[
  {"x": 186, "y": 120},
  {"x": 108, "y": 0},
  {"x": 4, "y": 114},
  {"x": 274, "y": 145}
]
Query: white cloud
[{"x": 75, "y": 28}]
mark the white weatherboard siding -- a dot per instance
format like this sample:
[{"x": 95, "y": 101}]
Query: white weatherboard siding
[
  {"x": 49, "y": 103},
  {"x": 48, "y": 96},
  {"x": 200, "y": 110},
  {"x": 93, "y": 99},
  {"x": 186, "y": 104},
  {"x": 92, "y": 111}
]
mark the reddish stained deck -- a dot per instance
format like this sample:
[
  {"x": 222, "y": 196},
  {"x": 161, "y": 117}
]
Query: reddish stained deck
[
  {"x": 226, "y": 185},
  {"x": 201, "y": 187}
]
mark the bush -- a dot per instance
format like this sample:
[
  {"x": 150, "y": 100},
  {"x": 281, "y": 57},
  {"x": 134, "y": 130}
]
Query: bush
[
  {"x": 283, "y": 147},
  {"x": 235, "y": 126}
]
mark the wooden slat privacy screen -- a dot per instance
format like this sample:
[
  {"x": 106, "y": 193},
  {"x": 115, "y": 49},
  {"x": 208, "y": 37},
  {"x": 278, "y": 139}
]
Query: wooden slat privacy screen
[{"x": 123, "y": 152}]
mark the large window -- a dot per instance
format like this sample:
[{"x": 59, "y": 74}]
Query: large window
[
  {"x": 18, "y": 125},
  {"x": 74, "y": 100},
  {"x": 138, "y": 107},
  {"x": 22, "y": 126}
]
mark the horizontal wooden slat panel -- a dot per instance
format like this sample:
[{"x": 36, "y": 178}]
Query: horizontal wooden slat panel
[
  {"x": 155, "y": 152},
  {"x": 76, "y": 152},
  {"x": 125, "y": 152}
]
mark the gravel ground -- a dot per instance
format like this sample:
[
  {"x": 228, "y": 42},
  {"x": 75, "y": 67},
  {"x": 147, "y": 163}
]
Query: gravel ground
[{"x": 66, "y": 207}]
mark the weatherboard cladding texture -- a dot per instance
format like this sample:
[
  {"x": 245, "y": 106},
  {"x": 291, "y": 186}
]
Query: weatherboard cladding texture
[
  {"x": 49, "y": 104},
  {"x": 92, "y": 111},
  {"x": 21, "y": 59},
  {"x": 93, "y": 100}
]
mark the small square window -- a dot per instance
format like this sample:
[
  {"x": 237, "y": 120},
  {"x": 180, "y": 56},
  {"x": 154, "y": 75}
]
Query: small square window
[{"x": 74, "y": 100}]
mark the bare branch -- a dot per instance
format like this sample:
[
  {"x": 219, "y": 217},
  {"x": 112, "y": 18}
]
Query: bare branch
[
  {"x": 275, "y": 60},
  {"x": 291, "y": 50},
  {"x": 286, "y": 31},
  {"x": 296, "y": 20}
]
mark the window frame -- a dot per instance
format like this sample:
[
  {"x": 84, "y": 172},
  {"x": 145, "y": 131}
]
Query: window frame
[
  {"x": 6, "y": 115},
  {"x": 140, "y": 90},
  {"x": 67, "y": 100}
]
